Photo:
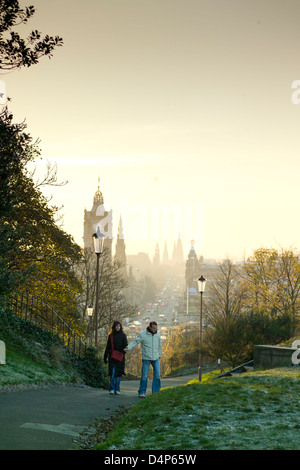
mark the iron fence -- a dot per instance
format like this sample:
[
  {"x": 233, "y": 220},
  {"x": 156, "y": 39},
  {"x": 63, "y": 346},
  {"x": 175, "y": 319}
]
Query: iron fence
[{"x": 38, "y": 312}]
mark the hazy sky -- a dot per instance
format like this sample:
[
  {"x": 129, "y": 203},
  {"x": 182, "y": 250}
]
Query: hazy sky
[{"x": 183, "y": 104}]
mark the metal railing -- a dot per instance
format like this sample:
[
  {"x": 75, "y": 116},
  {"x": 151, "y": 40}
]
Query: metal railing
[{"x": 38, "y": 312}]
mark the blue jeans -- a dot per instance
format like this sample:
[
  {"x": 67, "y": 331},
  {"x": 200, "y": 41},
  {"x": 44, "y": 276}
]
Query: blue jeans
[
  {"x": 114, "y": 382},
  {"x": 144, "y": 377}
]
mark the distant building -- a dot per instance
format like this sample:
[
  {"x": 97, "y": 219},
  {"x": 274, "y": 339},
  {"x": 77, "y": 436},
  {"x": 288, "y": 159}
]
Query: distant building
[
  {"x": 120, "y": 253},
  {"x": 165, "y": 259},
  {"x": 192, "y": 270},
  {"x": 156, "y": 259},
  {"x": 178, "y": 256},
  {"x": 192, "y": 273},
  {"x": 100, "y": 217}
]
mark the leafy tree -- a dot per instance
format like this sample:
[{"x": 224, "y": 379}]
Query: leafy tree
[
  {"x": 35, "y": 254},
  {"x": 16, "y": 52},
  {"x": 232, "y": 338},
  {"x": 250, "y": 304},
  {"x": 273, "y": 281}
]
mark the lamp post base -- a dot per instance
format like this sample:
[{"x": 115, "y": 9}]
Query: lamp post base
[{"x": 200, "y": 373}]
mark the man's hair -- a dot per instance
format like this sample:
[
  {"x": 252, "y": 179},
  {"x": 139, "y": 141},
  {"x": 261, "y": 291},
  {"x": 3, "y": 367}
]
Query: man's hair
[{"x": 152, "y": 323}]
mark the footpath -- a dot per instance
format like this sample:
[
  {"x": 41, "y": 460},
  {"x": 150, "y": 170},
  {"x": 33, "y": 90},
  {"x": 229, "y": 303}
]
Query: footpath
[{"x": 52, "y": 418}]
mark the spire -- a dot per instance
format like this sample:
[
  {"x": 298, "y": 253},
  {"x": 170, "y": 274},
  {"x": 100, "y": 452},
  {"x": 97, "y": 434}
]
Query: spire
[
  {"x": 165, "y": 255},
  {"x": 178, "y": 257},
  {"x": 120, "y": 247},
  {"x": 98, "y": 197},
  {"x": 156, "y": 259}
]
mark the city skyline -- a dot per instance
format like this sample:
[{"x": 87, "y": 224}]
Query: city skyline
[{"x": 176, "y": 105}]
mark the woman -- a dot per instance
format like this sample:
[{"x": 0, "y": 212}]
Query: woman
[{"x": 115, "y": 368}]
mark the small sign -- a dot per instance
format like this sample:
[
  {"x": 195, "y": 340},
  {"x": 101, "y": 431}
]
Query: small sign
[{"x": 2, "y": 353}]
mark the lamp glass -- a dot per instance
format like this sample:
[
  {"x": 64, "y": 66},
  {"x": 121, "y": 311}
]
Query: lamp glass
[
  {"x": 90, "y": 310},
  {"x": 98, "y": 243},
  {"x": 201, "y": 284}
]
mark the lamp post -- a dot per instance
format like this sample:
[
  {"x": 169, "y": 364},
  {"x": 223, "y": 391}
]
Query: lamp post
[
  {"x": 98, "y": 246},
  {"x": 201, "y": 288},
  {"x": 89, "y": 310}
]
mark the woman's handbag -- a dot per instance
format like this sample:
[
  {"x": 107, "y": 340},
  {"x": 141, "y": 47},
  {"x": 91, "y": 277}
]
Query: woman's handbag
[{"x": 115, "y": 355}]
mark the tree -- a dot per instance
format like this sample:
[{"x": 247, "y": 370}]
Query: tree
[
  {"x": 16, "y": 52},
  {"x": 225, "y": 304},
  {"x": 233, "y": 338},
  {"x": 226, "y": 293},
  {"x": 35, "y": 254},
  {"x": 254, "y": 303},
  {"x": 112, "y": 302},
  {"x": 273, "y": 280}
]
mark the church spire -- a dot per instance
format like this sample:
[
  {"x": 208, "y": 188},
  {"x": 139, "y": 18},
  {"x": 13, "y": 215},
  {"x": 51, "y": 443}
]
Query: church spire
[
  {"x": 165, "y": 259},
  {"x": 120, "y": 248},
  {"x": 156, "y": 259},
  {"x": 98, "y": 197}
]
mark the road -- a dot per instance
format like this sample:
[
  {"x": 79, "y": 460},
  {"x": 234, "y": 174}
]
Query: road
[{"x": 51, "y": 418}]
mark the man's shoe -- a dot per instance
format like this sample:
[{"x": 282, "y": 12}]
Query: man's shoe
[
  {"x": 117, "y": 393},
  {"x": 142, "y": 395},
  {"x": 112, "y": 392}
]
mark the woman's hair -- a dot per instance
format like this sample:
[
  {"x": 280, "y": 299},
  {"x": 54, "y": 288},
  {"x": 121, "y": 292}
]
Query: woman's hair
[{"x": 113, "y": 328}]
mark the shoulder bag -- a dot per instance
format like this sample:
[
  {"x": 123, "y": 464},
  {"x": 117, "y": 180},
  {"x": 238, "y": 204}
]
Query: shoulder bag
[{"x": 115, "y": 355}]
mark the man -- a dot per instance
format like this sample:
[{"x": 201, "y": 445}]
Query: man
[{"x": 151, "y": 353}]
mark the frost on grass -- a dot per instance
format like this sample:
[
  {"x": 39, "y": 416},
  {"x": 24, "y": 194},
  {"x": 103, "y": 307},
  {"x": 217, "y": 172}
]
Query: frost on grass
[{"x": 256, "y": 411}]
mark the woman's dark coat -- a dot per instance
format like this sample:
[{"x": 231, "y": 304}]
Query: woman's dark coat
[{"x": 120, "y": 343}]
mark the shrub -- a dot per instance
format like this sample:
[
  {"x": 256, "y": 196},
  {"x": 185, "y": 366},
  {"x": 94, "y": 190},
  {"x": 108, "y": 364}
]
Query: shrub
[{"x": 92, "y": 370}]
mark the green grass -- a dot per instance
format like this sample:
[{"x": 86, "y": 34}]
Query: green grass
[
  {"x": 21, "y": 369},
  {"x": 33, "y": 356},
  {"x": 252, "y": 411}
]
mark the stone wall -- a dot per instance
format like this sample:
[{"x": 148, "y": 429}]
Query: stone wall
[{"x": 267, "y": 357}]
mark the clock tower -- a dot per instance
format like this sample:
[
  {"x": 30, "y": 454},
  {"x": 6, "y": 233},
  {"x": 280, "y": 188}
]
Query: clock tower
[{"x": 98, "y": 216}]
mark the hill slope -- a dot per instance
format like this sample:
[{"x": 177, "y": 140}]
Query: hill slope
[
  {"x": 35, "y": 357},
  {"x": 252, "y": 411}
]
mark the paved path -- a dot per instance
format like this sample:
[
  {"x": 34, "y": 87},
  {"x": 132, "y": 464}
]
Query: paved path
[{"x": 51, "y": 418}]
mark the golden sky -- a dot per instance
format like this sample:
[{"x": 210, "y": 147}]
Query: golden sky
[{"x": 181, "y": 105}]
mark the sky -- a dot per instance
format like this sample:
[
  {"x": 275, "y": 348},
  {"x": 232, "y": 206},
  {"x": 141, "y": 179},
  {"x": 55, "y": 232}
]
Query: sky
[{"x": 184, "y": 108}]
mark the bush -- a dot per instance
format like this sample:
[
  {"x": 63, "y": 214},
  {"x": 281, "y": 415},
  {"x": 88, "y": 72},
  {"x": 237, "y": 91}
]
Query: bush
[
  {"x": 233, "y": 337},
  {"x": 92, "y": 370}
]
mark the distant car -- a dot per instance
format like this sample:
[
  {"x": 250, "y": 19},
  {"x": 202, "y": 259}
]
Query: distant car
[{"x": 164, "y": 331}]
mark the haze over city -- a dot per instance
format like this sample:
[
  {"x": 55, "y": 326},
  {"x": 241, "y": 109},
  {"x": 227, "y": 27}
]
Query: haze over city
[{"x": 185, "y": 107}]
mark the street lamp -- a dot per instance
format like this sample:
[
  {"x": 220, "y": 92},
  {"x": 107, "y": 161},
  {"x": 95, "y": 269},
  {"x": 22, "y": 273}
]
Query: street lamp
[
  {"x": 90, "y": 309},
  {"x": 201, "y": 288},
  {"x": 98, "y": 247}
]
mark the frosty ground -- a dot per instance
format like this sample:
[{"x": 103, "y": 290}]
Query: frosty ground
[{"x": 253, "y": 411}]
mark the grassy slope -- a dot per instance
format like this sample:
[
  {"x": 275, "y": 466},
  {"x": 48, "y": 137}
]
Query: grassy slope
[
  {"x": 33, "y": 356},
  {"x": 253, "y": 411},
  {"x": 23, "y": 369}
]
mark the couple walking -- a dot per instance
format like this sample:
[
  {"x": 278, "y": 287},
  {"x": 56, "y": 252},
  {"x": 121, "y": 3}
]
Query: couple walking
[{"x": 150, "y": 341}]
